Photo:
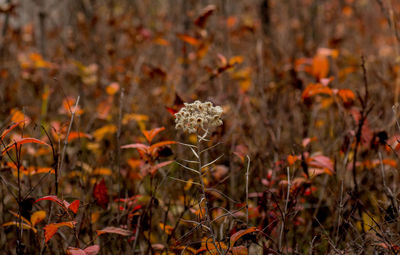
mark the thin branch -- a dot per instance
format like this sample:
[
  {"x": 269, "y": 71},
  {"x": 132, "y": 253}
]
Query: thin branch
[
  {"x": 188, "y": 168},
  {"x": 212, "y": 162},
  {"x": 57, "y": 173},
  {"x": 180, "y": 180},
  {"x": 247, "y": 190}
]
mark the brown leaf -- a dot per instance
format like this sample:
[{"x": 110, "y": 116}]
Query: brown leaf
[
  {"x": 205, "y": 14},
  {"x": 241, "y": 233}
]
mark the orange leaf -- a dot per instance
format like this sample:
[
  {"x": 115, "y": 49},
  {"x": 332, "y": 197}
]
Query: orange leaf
[
  {"x": 112, "y": 88},
  {"x": 18, "y": 116},
  {"x": 389, "y": 162},
  {"x": 231, "y": 21},
  {"x": 74, "y": 135},
  {"x": 101, "y": 171},
  {"x": 315, "y": 89},
  {"x": 114, "y": 230},
  {"x": 74, "y": 206},
  {"x": 320, "y": 67},
  {"x": 69, "y": 107},
  {"x": 104, "y": 108},
  {"x": 241, "y": 233},
  {"x": 292, "y": 159},
  {"x": 23, "y": 141},
  {"x": 239, "y": 250},
  {"x": 150, "y": 134},
  {"x": 51, "y": 229},
  {"x": 39, "y": 170},
  {"x": 346, "y": 95},
  {"x": 188, "y": 39}
]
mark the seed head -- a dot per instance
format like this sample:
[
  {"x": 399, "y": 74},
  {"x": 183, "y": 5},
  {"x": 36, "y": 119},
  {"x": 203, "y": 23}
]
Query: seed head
[{"x": 197, "y": 115}]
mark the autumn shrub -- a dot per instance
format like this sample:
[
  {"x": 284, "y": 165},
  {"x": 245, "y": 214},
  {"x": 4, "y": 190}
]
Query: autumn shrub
[{"x": 199, "y": 127}]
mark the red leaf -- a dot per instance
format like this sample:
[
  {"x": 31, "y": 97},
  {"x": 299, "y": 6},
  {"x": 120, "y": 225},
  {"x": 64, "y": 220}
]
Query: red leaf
[
  {"x": 74, "y": 206},
  {"x": 321, "y": 162},
  {"x": 178, "y": 104},
  {"x": 154, "y": 168},
  {"x": 8, "y": 130},
  {"x": 241, "y": 233},
  {"x": 100, "y": 193},
  {"x": 54, "y": 199},
  {"x": 160, "y": 144},
  {"x": 150, "y": 134},
  {"x": 23, "y": 141},
  {"x": 114, "y": 230},
  {"x": 171, "y": 110},
  {"x": 75, "y": 251},
  {"x": 138, "y": 146},
  {"x": 92, "y": 250}
]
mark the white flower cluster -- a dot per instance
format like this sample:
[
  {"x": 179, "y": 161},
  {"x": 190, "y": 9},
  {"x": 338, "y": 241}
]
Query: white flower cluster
[{"x": 195, "y": 115}]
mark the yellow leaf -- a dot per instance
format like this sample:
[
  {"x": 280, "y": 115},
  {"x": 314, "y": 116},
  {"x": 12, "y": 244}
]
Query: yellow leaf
[
  {"x": 133, "y": 116},
  {"x": 24, "y": 225},
  {"x": 100, "y": 133},
  {"x": 369, "y": 222},
  {"x": 102, "y": 171},
  {"x": 188, "y": 184},
  {"x": 37, "y": 217},
  {"x": 22, "y": 217}
]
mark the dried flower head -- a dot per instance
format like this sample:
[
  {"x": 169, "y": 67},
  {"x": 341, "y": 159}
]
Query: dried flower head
[{"x": 198, "y": 115}]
